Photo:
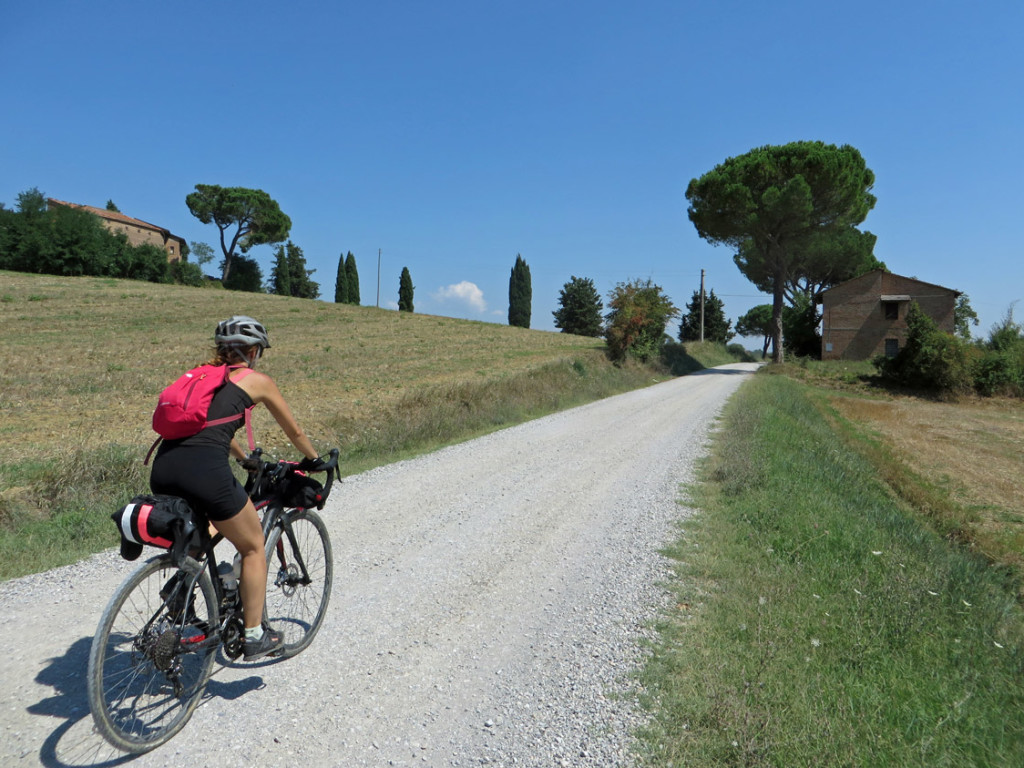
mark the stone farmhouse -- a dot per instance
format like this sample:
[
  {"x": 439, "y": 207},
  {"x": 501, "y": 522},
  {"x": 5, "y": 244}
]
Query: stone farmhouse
[
  {"x": 137, "y": 231},
  {"x": 867, "y": 316}
]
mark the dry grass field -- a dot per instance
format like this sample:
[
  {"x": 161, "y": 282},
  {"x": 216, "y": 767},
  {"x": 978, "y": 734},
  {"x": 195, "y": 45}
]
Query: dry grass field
[
  {"x": 968, "y": 461},
  {"x": 85, "y": 358},
  {"x": 959, "y": 462}
]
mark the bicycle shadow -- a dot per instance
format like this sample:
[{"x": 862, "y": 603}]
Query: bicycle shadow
[{"x": 74, "y": 742}]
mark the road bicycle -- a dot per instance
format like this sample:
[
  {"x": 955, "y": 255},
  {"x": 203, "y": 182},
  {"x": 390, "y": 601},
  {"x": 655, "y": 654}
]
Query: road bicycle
[{"x": 159, "y": 636}]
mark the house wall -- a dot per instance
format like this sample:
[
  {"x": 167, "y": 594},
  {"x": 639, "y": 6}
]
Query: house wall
[
  {"x": 142, "y": 235},
  {"x": 855, "y": 326},
  {"x": 137, "y": 231}
]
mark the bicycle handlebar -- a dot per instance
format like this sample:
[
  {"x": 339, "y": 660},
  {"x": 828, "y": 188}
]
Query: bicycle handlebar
[{"x": 260, "y": 469}]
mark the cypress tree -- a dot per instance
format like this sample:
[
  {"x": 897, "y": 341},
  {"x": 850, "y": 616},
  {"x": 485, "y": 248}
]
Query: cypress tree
[
  {"x": 341, "y": 283},
  {"x": 405, "y": 290},
  {"x": 352, "y": 277},
  {"x": 520, "y": 294}
]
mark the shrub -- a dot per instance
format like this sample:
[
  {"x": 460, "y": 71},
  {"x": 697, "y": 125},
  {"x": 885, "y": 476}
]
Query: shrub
[
  {"x": 1000, "y": 372},
  {"x": 636, "y": 323},
  {"x": 930, "y": 360},
  {"x": 186, "y": 273}
]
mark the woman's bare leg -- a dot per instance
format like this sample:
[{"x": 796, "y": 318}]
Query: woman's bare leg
[{"x": 246, "y": 534}]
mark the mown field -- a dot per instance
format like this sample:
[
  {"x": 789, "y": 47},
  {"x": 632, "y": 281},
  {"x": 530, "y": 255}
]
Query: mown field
[{"x": 85, "y": 358}]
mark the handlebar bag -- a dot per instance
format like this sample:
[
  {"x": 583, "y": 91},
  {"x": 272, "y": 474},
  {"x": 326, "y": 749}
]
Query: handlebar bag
[
  {"x": 298, "y": 490},
  {"x": 157, "y": 520},
  {"x": 294, "y": 489}
]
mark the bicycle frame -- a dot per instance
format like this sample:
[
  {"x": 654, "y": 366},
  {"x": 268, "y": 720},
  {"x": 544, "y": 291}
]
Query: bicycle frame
[
  {"x": 274, "y": 514},
  {"x": 277, "y": 515},
  {"x": 152, "y": 636}
]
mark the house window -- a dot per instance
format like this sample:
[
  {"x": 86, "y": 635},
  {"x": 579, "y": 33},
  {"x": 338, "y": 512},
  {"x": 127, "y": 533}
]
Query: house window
[
  {"x": 892, "y": 347},
  {"x": 891, "y": 310}
]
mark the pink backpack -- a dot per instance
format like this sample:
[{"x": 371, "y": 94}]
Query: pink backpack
[{"x": 182, "y": 408}]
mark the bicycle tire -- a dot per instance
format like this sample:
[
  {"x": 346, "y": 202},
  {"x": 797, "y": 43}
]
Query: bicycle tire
[
  {"x": 295, "y": 609},
  {"x": 142, "y": 688}
]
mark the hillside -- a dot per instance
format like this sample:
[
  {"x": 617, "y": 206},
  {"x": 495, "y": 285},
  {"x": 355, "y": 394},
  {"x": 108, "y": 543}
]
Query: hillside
[{"x": 84, "y": 358}]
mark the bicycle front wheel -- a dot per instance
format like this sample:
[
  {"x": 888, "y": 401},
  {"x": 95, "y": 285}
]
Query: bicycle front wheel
[
  {"x": 150, "y": 661},
  {"x": 300, "y": 574}
]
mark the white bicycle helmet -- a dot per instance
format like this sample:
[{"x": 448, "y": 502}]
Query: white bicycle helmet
[{"x": 241, "y": 331}]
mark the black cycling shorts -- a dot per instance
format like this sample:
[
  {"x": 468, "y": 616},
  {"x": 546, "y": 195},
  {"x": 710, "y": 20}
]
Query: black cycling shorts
[{"x": 202, "y": 476}]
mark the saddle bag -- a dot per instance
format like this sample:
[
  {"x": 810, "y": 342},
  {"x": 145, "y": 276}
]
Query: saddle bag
[{"x": 157, "y": 520}]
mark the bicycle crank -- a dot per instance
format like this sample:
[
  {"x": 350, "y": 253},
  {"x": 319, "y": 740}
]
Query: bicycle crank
[{"x": 233, "y": 637}]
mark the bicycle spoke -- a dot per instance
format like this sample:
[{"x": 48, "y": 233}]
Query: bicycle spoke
[
  {"x": 145, "y": 678},
  {"x": 299, "y": 578}
]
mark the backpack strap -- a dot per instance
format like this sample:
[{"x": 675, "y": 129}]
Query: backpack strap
[
  {"x": 151, "y": 449},
  {"x": 248, "y": 411}
]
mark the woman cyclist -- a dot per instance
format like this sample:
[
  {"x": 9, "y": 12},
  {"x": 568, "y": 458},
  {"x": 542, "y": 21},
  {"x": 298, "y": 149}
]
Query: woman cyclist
[{"x": 197, "y": 468}]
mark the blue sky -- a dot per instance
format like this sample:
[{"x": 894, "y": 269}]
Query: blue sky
[{"x": 451, "y": 136}]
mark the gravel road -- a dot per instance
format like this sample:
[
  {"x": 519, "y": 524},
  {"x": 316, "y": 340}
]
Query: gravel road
[{"x": 488, "y": 604}]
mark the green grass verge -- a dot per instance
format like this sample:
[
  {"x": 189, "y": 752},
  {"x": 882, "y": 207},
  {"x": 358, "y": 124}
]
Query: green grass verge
[{"x": 819, "y": 623}]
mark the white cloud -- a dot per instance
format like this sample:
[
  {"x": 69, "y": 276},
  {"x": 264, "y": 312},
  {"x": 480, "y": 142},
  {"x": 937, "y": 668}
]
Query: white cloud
[{"x": 463, "y": 293}]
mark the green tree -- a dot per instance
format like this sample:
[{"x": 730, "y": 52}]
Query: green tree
[
  {"x": 31, "y": 203},
  {"x": 341, "y": 282},
  {"x": 405, "y": 291},
  {"x": 774, "y": 203},
  {"x": 716, "y": 326},
  {"x": 636, "y": 322},
  {"x": 245, "y": 276},
  {"x": 112, "y": 207},
  {"x": 203, "y": 252},
  {"x": 1006, "y": 334},
  {"x": 964, "y": 317},
  {"x": 245, "y": 218},
  {"x": 70, "y": 241},
  {"x": 520, "y": 294},
  {"x": 302, "y": 284},
  {"x": 280, "y": 273},
  {"x": 757, "y": 322},
  {"x": 140, "y": 262},
  {"x": 823, "y": 260},
  {"x": 352, "y": 278},
  {"x": 800, "y": 327},
  {"x": 579, "y": 308}
]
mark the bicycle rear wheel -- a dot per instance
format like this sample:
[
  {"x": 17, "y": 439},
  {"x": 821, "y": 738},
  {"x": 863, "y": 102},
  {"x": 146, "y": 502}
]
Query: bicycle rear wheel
[
  {"x": 300, "y": 574},
  {"x": 146, "y": 675}
]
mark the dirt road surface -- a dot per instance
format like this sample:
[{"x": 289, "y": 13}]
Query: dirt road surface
[{"x": 488, "y": 607}]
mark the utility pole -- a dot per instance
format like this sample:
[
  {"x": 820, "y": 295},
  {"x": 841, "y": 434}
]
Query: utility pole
[
  {"x": 378, "y": 278},
  {"x": 702, "y": 305}
]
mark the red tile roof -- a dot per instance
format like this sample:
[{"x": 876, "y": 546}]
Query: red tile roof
[{"x": 117, "y": 216}]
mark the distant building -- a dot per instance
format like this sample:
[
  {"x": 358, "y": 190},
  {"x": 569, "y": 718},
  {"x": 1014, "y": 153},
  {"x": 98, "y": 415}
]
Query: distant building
[
  {"x": 867, "y": 316},
  {"x": 137, "y": 231}
]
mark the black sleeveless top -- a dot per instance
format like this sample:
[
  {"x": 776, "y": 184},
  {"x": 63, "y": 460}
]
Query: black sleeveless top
[{"x": 229, "y": 400}]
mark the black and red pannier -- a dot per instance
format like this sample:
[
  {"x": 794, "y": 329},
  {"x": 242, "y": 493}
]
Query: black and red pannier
[{"x": 157, "y": 520}]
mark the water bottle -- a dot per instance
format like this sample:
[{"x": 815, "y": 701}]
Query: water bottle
[{"x": 228, "y": 577}]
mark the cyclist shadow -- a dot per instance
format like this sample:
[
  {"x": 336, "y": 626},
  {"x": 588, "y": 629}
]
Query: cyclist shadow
[{"x": 74, "y": 742}]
